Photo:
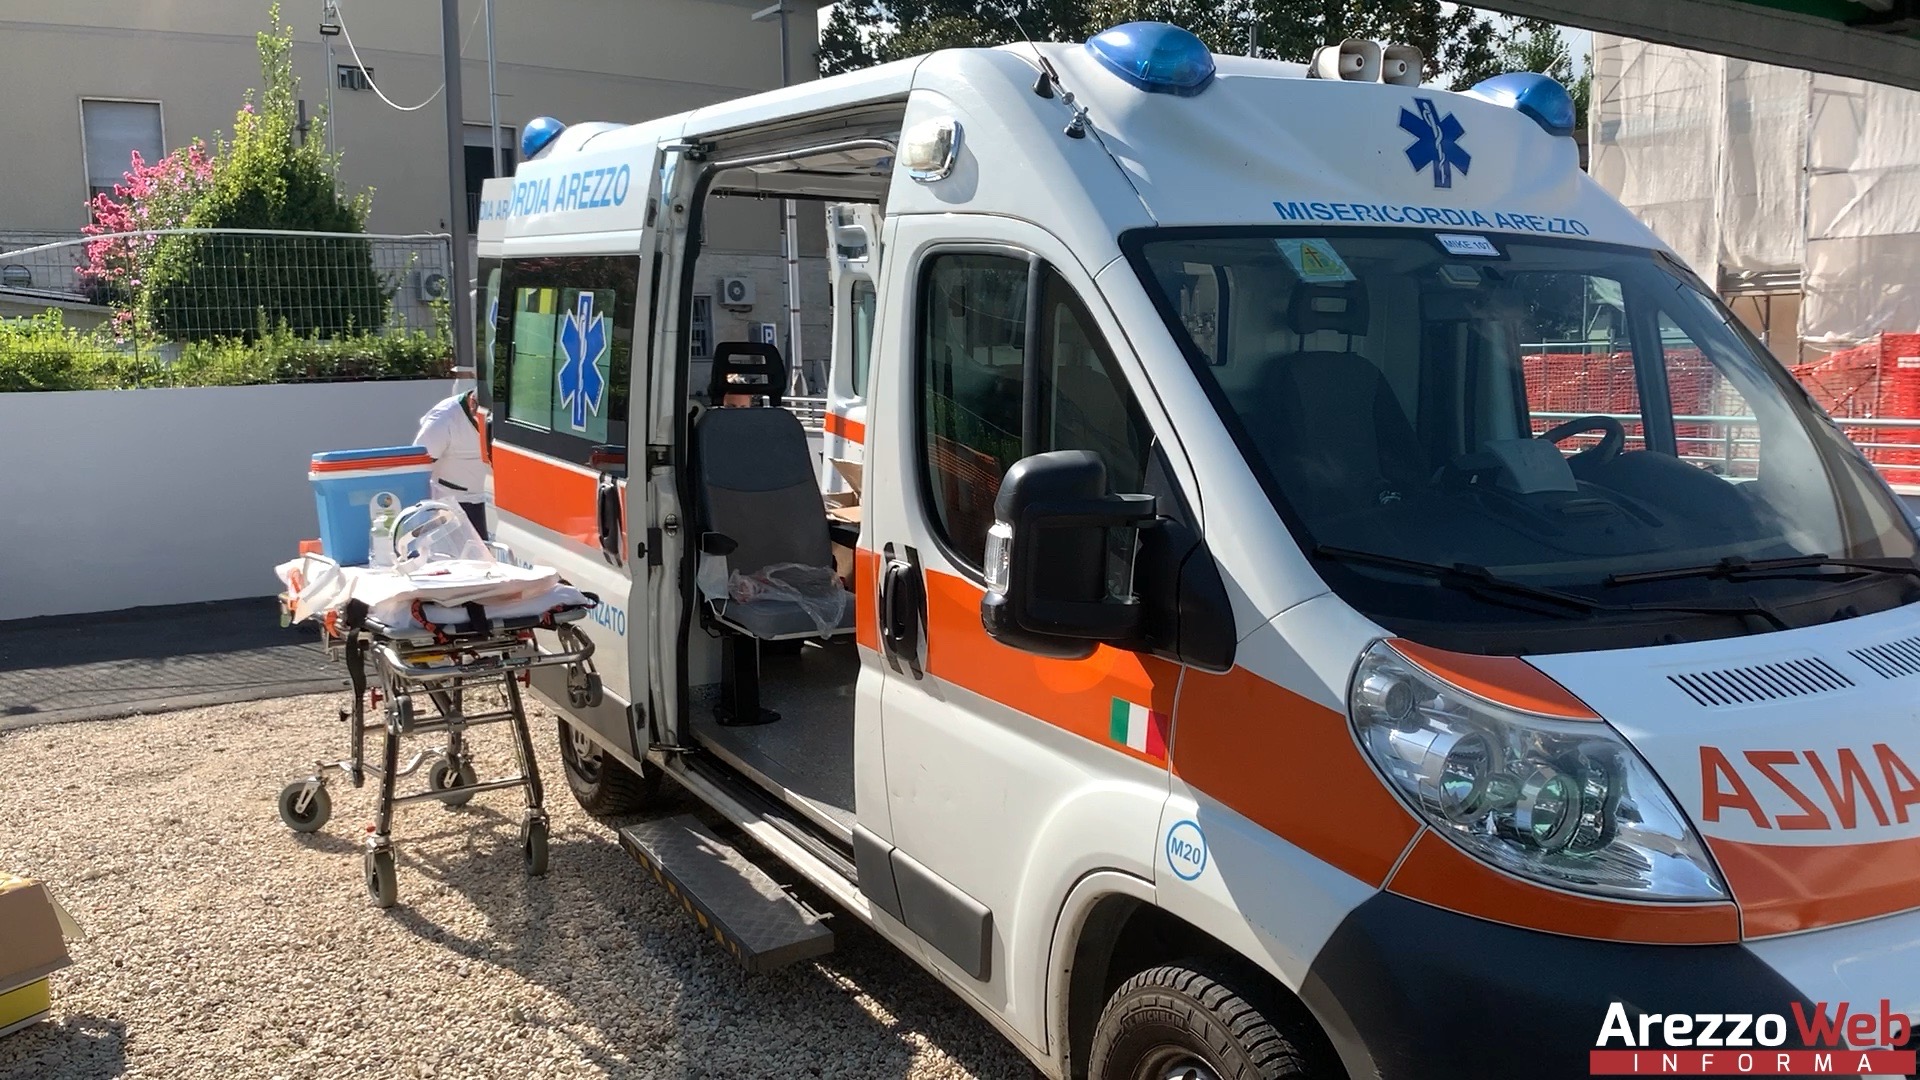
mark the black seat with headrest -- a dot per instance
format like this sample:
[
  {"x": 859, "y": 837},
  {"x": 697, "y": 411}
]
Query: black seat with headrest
[
  {"x": 749, "y": 360},
  {"x": 760, "y": 506},
  {"x": 1328, "y": 423}
]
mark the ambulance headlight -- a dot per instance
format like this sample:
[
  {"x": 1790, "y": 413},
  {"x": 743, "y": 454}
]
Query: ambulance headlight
[{"x": 1566, "y": 803}]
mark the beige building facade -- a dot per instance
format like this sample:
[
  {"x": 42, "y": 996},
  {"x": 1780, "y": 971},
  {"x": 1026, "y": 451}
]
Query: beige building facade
[{"x": 89, "y": 81}]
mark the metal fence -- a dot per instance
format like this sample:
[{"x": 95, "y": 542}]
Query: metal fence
[
  {"x": 191, "y": 306},
  {"x": 1730, "y": 445}
]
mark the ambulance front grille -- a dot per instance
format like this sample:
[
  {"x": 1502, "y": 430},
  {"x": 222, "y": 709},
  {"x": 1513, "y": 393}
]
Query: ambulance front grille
[
  {"x": 1892, "y": 660},
  {"x": 1761, "y": 682}
]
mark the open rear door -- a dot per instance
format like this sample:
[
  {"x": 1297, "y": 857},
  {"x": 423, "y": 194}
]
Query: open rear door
[
  {"x": 853, "y": 267},
  {"x": 572, "y": 324}
]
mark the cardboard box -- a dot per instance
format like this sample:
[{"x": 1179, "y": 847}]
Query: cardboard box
[
  {"x": 24, "y": 1006},
  {"x": 850, "y": 471},
  {"x": 33, "y": 933}
]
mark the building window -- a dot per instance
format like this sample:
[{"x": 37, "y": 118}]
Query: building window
[
  {"x": 353, "y": 77},
  {"x": 112, "y": 132},
  {"x": 479, "y": 151},
  {"x": 701, "y": 332}
]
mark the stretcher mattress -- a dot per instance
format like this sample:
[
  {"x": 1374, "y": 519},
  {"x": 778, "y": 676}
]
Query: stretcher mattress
[{"x": 447, "y": 595}]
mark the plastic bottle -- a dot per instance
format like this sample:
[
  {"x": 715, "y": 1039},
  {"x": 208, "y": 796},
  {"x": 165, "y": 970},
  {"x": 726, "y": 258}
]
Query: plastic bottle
[{"x": 383, "y": 510}]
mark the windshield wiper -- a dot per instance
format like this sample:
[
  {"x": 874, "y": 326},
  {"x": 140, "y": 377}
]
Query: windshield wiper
[
  {"x": 1734, "y": 567},
  {"x": 1467, "y": 577},
  {"x": 1479, "y": 581}
]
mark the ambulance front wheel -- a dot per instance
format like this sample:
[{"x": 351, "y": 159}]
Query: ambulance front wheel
[
  {"x": 601, "y": 783},
  {"x": 1196, "y": 1023}
]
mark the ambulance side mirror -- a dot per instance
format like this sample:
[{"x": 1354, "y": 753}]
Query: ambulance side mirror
[{"x": 1060, "y": 557}]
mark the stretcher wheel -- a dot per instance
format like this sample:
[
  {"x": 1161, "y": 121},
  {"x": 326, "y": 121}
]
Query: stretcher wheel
[
  {"x": 401, "y": 711},
  {"x": 533, "y": 845},
  {"x": 319, "y": 807},
  {"x": 585, "y": 692},
  {"x": 446, "y": 776},
  {"x": 380, "y": 878}
]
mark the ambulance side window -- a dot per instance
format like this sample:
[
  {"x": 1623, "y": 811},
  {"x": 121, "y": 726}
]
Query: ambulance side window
[
  {"x": 487, "y": 320},
  {"x": 563, "y": 353},
  {"x": 975, "y": 369},
  {"x": 865, "y": 304}
]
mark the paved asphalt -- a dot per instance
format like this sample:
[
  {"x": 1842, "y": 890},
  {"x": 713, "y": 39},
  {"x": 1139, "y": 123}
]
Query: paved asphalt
[{"x": 144, "y": 660}]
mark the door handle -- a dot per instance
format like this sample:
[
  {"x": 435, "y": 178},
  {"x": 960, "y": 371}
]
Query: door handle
[
  {"x": 607, "y": 517},
  {"x": 902, "y": 607}
]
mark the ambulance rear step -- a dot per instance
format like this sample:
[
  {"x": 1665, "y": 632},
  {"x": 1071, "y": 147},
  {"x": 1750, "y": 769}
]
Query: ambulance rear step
[{"x": 746, "y": 911}]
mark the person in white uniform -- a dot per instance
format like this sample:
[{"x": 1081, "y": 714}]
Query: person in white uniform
[{"x": 451, "y": 433}]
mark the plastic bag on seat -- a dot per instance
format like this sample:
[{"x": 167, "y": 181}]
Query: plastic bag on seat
[{"x": 816, "y": 589}]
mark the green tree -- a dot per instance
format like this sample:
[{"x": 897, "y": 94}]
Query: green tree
[
  {"x": 1461, "y": 45},
  {"x": 207, "y": 286}
]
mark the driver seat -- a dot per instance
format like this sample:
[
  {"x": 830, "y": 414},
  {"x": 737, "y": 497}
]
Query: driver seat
[
  {"x": 1334, "y": 432},
  {"x": 1329, "y": 422}
]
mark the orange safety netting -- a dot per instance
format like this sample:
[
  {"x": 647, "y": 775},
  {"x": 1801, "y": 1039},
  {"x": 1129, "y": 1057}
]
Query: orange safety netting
[{"x": 1877, "y": 380}]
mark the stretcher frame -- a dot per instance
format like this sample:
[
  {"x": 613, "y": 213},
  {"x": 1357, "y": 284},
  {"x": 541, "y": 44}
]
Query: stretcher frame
[{"x": 391, "y": 668}]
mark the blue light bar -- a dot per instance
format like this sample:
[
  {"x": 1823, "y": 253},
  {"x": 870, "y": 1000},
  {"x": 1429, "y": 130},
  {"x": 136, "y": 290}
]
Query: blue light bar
[
  {"x": 1534, "y": 95},
  {"x": 539, "y": 133},
  {"x": 1156, "y": 57}
]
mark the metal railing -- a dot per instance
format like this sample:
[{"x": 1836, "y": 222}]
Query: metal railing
[
  {"x": 171, "y": 307},
  {"x": 1732, "y": 442},
  {"x": 812, "y": 411}
]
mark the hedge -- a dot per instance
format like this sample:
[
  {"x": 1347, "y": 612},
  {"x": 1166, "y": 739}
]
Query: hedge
[{"x": 42, "y": 353}]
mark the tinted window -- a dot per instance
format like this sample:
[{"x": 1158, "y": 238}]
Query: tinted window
[
  {"x": 865, "y": 303},
  {"x": 563, "y": 353},
  {"x": 977, "y": 367},
  {"x": 1563, "y": 415}
]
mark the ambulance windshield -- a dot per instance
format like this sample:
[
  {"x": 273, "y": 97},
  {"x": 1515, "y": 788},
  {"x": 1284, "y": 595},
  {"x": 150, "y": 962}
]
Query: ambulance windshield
[{"x": 1492, "y": 442}]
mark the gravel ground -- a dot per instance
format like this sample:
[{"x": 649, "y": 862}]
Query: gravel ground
[{"x": 221, "y": 945}]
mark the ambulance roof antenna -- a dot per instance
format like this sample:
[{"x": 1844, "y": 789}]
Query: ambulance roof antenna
[{"x": 1049, "y": 81}]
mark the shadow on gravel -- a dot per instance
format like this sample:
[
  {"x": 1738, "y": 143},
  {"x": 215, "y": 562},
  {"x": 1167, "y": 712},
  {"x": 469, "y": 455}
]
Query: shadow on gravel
[
  {"x": 685, "y": 1010},
  {"x": 80, "y": 1047}
]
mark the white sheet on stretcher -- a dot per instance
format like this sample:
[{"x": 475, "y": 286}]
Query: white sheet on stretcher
[{"x": 506, "y": 591}]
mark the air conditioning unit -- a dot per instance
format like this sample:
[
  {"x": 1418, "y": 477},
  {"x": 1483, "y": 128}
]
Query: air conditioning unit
[
  {"x": 736, "y": 292},
  {"x": 429, "y": 285}
]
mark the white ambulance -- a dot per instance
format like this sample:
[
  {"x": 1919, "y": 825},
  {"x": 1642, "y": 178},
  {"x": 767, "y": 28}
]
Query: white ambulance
[{"x": 1332, "y": 595}]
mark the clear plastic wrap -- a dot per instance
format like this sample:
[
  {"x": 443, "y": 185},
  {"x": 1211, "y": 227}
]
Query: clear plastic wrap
[
  {"x": 432, "y": 531},
  {"x": 815, "y": 588}
]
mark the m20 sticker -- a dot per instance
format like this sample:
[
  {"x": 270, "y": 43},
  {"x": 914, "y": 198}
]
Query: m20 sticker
[{"x": 1186, "y": 850}]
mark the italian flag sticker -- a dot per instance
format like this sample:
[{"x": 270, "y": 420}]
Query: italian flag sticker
[{"x": 1138, "y": 728}]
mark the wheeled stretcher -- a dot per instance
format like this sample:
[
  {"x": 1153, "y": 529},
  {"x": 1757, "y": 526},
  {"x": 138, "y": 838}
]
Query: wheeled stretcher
[{"x": 423, "y": 676}]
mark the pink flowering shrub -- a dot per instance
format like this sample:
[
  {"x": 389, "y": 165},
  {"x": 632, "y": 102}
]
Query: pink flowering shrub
[{"x": 151, "y": 196}]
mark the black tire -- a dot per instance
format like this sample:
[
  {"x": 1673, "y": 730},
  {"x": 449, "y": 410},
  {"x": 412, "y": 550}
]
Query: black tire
[
  {"x": 319, "y": 808},
  {"x": 533, "y": 847},
  {"x": 445, "y": 776},
  {"x": 382, "y": 884},
  {"x": 1193, "y": 1020},
  {"x": 601, "y": 784}
]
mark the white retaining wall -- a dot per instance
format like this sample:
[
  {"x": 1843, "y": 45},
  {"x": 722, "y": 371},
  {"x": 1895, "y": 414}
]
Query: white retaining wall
[{"x": 113, "y": 499}]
